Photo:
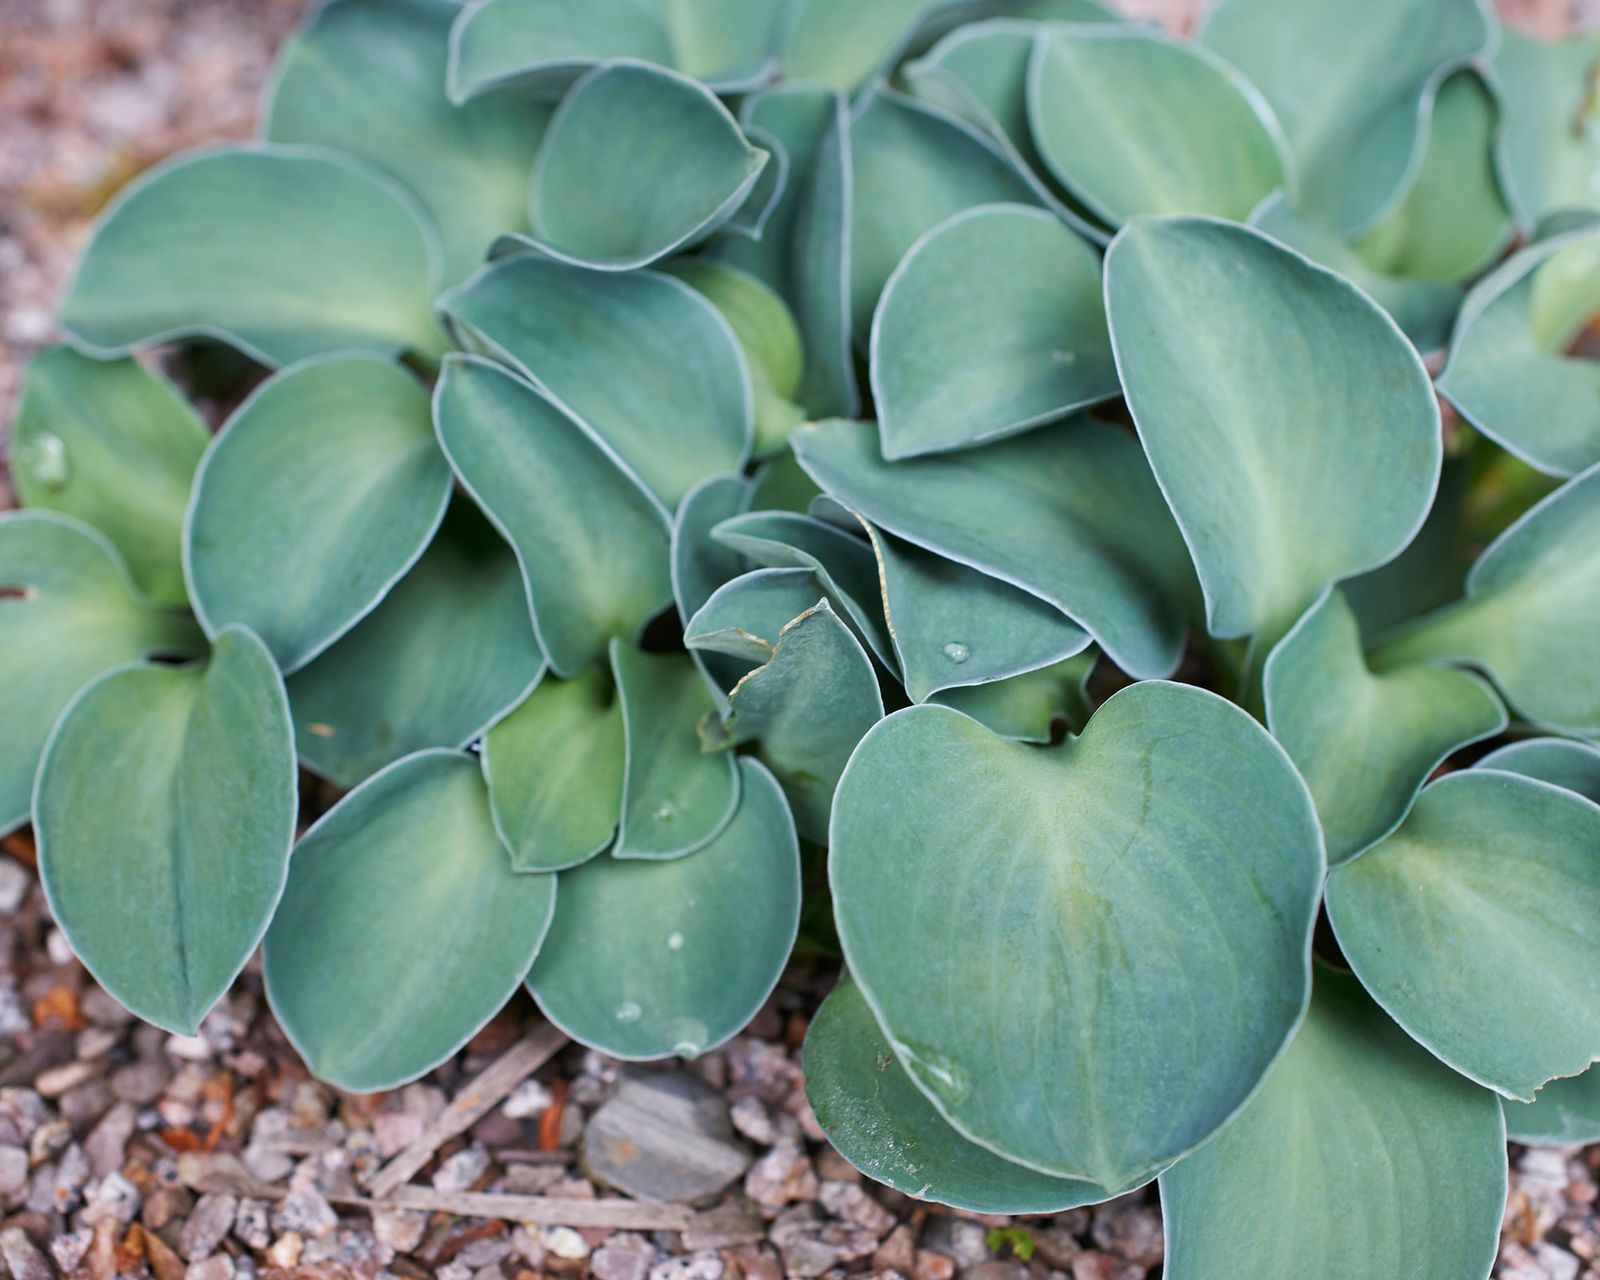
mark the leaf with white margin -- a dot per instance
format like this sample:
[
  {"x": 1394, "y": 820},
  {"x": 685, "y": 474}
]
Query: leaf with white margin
[
  {"x": 406, "y": 874},
  {"x": 841, "y": 42},
  {"x": 742, "y": 619},
  {"x": 701, "y": 564},
  {"x": 1530, "y": 613},
  {"x": 1559, "y": 761},
  {"x": 554, "y": 767},
  {"x": 1366, "y": 743},
  {"x": 880, "y": 1122},
  {"x": 1351, "y": 82},
  {"x": 320, "y": 492},
  {"x": 592, "y": 544},
  {"x": 992, "y": 323},
  {"x": 1548, "y": 148},
  {"x": 1176, "y": 129},
  {"x": 641, "y": 359},
  {"x": 730, "y": 44},
  {"x": 282, "y": 252},
  {"x": 1069, "y": 513},
  {"x": 1127, "y": 915},
  {"x": 1473, "y": 925},
  {"x": 448, "y": 652},
  {"x": 637, "y": 163},
  {"x": 1030, "y": 706},
  {"x": 750, "y": 218},
  {"x": 367, "y": 77},
  {"x": 164, "y": 811},
  {"x": 69, "y": 612},
  {"x": 1508, "y": 373},
  {"x": 1290, "y": 424},
  {"x": 1430, "y": 571},
  {"x": 1370, "y": 1159},
  {"x": 112, "y": 444},
  {"x": 649, "y": 959}
]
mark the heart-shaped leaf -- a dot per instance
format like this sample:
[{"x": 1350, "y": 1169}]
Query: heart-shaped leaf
[
  {"x": 1375, "y": 65},
  {"x": 1029, "y": 707},
  {"x": 1292, "y": 427},
  {"x": 68, "y": 613},
  {"x": 1176, "y": 129},
  {"x": 319, "y": 494},
  {"x": 554, "y": 767},
  {"x": 1558, "y": 761},
  {"x": 881, "y": 1123},
  {"x": 1365, "y": 744},
  {"x": 1371, "y": 1159},
  {"x": 1069, "y": 513},
  {"x": 647, "y": 959},
  {"x": 642, "y": 359},
  {"x": 592, "y": 545},
  {"x": 1549, "y": 139},
  {"x": 285, "y": 252},
  {"x": 1473, "y": 925},
  {"x": 114, "y": 445},
  {"x": 991, "y": 324},
  {"x": 406, "y": 869},
  {"x": 164, "y": 812},
  {"x": 449, "y": 651},
  {"x": 1152, "y": 1013}
]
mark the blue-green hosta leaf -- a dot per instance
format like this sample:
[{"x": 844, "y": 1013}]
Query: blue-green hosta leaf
[
  {"x": 750, "y": 218},
  {"x": 676, "y": 796},
  {"x": 1548, "y": 148},
  {"x": 164, "y": 811},
  {"x": 730, "y": 44},
  {"x": 1371, "y": 1160},
  {"x": 1558, "y": 761},
  {"x": 1351, "y": 82},
  {"x": 742, "y": 619},
  {"x": 1365, "y": 743},
  {"x": 319, "y": 494},
  {"x": 403, "y": 928},
  {"x": 1291, "y": 425},
  {"x": 701, "y": 564},
  {"x": 367, "y": 77},
  {"x": 1473, "y": 925},
  {"x": 642, "y": 359},
  {"x": 554, "y": 768},
  {"x": 449, "y": 651},
  {"x": 841, "y": 42},
  {"x": 1033, "y": 931},
  {"x": 68, "y": 612},
  {"x": 1508, "y": 373},
  {"x": 882, "y": 1124},
  {"x": 1530, "y": 613},
  {"x": 114, "y": 445},
  {"x": 638, "y": 162},
  {"x": 1069, "y": 513},
  {"x": 1175, "y": 129},
  {"x": 284, "y": 252},
  {"x": 592, "y": 545},
  {"x": 781, "y": 484},
  {"x": 991, "y": 324},
  {"x": 647, "y": 959},
  {"x": 1028, "y": 707}
]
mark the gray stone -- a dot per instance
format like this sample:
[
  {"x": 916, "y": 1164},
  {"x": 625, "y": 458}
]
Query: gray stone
[
  {"x": 664, "y": 1135},
  {"x": 610, "y": 1263},
  {"x": 462, "y": 1170},
  {"x": 207, "y": 1226},
  {"x": 25, "y": 1262},
  {"x": 107, "y": 1145},
  {"x": 219, "y": 1266},
  {"x": 966, "y": 1242},
  {"x": 305, "y": 1213},
  {"x": 807, "y": 1257},
  {"x": 696, "y": 1266},
  {"x": 252, "y": 1224},
  {"x": 13, "y": 1170},
  {"x": 400, "y": 1229}
]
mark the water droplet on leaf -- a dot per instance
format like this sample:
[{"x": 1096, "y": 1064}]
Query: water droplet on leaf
[
  {"x": 628, "y": 1011},
  {"x": 957, "y": 652},
  {"x": 938, "y": 1073},
  {"x": 45, "y": 459},
  {"x": 674, "y": 941}
]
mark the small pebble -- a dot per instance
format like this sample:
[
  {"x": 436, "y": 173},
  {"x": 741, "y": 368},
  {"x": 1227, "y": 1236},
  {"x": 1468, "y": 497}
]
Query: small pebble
[
  {"x": 304, "y": 1213},
  {"x": 13, "y": 1170},
  {"x": 208, "y": 1224},
  {"x": 24, "y": 1261},
  {"x": 462, "y": 1170},
  {"x": 219, "y": 1266}
]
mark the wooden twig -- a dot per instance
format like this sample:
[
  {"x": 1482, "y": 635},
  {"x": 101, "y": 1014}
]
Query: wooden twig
[{"x": 545, "y": 1211}]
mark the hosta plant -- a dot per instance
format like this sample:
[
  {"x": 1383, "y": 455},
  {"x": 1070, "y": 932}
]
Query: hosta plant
[{"x": 976, "y": 467}]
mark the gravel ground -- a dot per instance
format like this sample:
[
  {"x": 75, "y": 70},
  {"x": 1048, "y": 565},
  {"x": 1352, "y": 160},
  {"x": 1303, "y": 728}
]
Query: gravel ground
[{"x": 125, "y": 1151}]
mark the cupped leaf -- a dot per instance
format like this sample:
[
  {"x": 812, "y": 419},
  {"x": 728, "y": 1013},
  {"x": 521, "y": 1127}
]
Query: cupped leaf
[
  {"x": 367, "y": 77},
  {"x": 1371, "y": 1159},
  {"x": 1069, "y": 513},
  {"x": 68, "y": 613},
  {"x": 540, "y": 47},
  {"x": 991, "y": 324},
  {"x": 407, "y": 875},
  {"x": 750, "y": 218},
  {"x": 449, "y": 651},
  {"x": 676, "y": 796},
  {"x": 742, "y": 619},
  {"x": 114, "y": 445},
  {"x": 638, "y": 161},
  {"x": 1558, "y": 761},
  {"x": 1290, "y": 424},
  {"x": 554, "y": 767},
  {"x": 1473, "y": 925},
  {"x": 1351, "y": 82},
  {"x": 647, "y": 959},
  {"x": 641, "y": 359},
  {"x": 318, "y": 495},
  {"x": 284, "y": 252},
  {"x": 1031, "y": 706},
  {"x": 592, "y": 545},
  {"x": 730, "y": 44},
  {"x": 1365, "y": 743},
  {"x": 880, "y": 1122},
  {"x": 1548, "y": 146},
  {"x": 1175, "y": 129},
  {"x": 701, "y": 564},
  {"x": 841, "y": 42},
  {"x": 1153, "y": 1013},
  {"x": 164, "y": 812}
]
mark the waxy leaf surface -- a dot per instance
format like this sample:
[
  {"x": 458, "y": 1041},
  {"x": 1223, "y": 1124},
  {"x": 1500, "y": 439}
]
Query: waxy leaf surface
[
  {"x": 701, "y": 564},
  {"x": 1548, "y": 147},
  {"x": 1558, "y": 761},
  {"x": 1031, "y": 706}
]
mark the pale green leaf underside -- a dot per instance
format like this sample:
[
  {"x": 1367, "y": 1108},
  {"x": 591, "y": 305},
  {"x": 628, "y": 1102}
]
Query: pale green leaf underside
[{"x": 1548, "y": 150}]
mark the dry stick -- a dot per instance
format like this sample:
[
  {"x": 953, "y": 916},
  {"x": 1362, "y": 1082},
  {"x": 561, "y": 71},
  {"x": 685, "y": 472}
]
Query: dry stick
[
  {"x": 509, "y": 1070},
  {"x": 546, "y": 1211}
]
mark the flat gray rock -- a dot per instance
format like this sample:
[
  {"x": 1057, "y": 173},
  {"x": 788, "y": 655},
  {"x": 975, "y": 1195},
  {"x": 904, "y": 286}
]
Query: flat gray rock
[{"x": 664, "y": 1135}]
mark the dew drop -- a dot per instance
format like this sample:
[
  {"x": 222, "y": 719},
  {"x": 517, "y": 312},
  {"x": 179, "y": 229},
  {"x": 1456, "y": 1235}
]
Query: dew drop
[
  {"x": 957, "y": 652},
  {"x": 1064, "y": 357},
  {"x": 674, "y": 941},
  {"x": 45, "y": 459},
  {"x": 665, "y": 812},
  {"x": 628, "y": 1011},
  {"x": 938, "y": 1073}
]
